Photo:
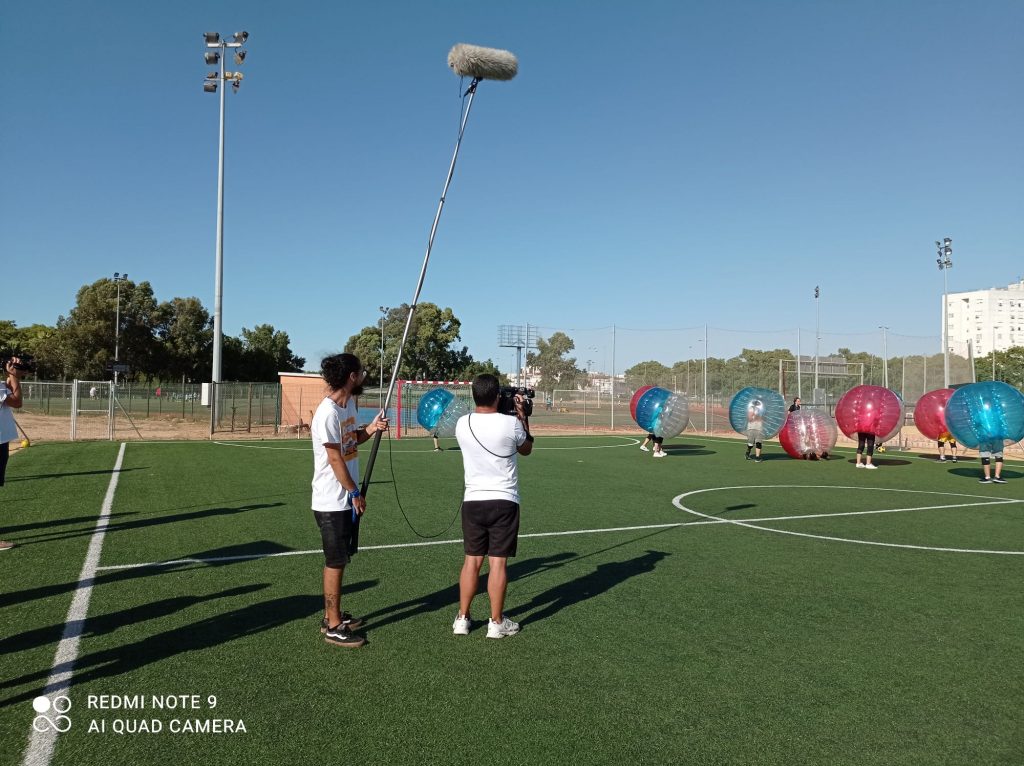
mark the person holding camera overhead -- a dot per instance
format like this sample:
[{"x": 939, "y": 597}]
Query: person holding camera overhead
[
  {"x": 491, "y": 439},
  {"x": 10, "y": 397}
]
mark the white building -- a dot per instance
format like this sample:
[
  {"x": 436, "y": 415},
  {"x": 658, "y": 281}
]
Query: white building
[{"x": 992, "y": 318}]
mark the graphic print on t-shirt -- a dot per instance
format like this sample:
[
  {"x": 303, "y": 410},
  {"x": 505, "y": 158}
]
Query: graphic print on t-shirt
[{"x": 349, "y": 443}]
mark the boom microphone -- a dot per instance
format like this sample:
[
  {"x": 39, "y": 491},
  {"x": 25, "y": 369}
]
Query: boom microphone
[{"x": 482, "y": 63}]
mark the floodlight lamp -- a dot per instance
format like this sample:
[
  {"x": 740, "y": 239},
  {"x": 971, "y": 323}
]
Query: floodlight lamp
[
  {"x": 211, "y": 76},
  {"x": 210, "y": 86},
  {"x": 212, "y": 38},
  {"x": 235, "y": 85},
  {"x": 212, "y": 57},
  {"x": 116, "y": 276},
  {"x": 947, "y": 242},
  {"x": 241, "y": 37},
  {"x": 239, "y": 57}
]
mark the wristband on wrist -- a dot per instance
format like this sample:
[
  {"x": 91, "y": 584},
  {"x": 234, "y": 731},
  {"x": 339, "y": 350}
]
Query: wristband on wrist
[{"x": 353, "y": 493}]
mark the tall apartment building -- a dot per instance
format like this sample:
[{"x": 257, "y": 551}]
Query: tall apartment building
[{"x": 992, "y": 318}]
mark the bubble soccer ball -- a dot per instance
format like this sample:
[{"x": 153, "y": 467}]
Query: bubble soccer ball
[
  {"x": 871, "y": 410},
  {"x": 757, "y": 408},
  {"x": 636, "y": 398},
  {"x": 986, "y": 415},
  {"x": 930, "y": 413},
  {"x": 808, "y": 433},
  {"x": 439, "y": 410},
  {"x": 660, "y": 412}
]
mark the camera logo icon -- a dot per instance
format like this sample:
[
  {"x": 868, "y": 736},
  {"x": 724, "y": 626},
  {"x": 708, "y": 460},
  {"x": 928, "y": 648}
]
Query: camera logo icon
[{"x": 51, "y": 714}]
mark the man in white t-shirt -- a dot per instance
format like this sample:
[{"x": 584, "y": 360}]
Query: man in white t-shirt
[
  {"x": 336, "y": 498},
  {"x": 491, "y": 443},
  {"x": 10, "y": 397}
]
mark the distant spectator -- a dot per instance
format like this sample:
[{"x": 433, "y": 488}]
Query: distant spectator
[
  {"x": 795, "y": 405},
  {"x": 10, "y": 397}
]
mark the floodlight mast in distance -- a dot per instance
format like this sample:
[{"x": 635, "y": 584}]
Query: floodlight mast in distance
[
  {"x": 517, "y": 337},
  {"x": 216, "y": 53},
  {"x": 945, "y": 263},
  {"x": 118, "y": 279}
]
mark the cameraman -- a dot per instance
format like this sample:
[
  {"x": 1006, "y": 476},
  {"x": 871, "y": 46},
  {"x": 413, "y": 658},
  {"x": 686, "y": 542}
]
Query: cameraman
[
  {"x": 10, "y": 397},
  {"x": 491, "y": 443}
]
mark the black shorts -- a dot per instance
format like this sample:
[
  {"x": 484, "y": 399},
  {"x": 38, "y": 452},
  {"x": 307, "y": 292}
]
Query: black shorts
[
  {"x": 490, "y": 527},
  {"x": 335, "y": 531}
]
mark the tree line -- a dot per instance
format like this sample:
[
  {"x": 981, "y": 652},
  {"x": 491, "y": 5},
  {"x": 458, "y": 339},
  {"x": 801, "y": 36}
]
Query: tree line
[{"x": 158, "y": 341}]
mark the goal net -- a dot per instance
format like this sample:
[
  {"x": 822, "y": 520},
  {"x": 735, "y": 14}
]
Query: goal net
[{"x": 407, "y": 400}]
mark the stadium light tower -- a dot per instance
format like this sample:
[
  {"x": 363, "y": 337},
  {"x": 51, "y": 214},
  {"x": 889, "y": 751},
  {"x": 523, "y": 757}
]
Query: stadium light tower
[
  {"x": 216, "y": 51},
  {"x": 945, "y": 263},
  {"x": 383, "y": 313},
  {"x": 885, "y": 356},
  {"x": 118, "y": 279}
]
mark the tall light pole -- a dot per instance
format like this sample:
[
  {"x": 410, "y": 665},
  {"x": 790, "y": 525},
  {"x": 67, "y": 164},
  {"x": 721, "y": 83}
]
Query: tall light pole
[
  {"x": 211, "y": 85},
  {"x": 817, "y": 338},
  {"x": 945, "y": 263},
  {"x": 383, "y": 313},
  {"x": 885, "y": 357},
  {"x": 118, "y": 279}
]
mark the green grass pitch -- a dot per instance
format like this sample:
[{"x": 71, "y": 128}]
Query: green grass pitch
[{"x": 884, "y": 627}]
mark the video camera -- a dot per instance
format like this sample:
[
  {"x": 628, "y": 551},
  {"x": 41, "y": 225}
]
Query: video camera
[
  {"x": 26, "y": 362},
  {"x": 507, "y": 400}
]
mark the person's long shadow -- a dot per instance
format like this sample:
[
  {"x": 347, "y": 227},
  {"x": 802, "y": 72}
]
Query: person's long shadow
[
  {"x": 149, "y": 521},
  {"x": 64, "y": 522},
  {"x": 102, "y": 472},
  {"x": 232, "y": 553},
  {"x": 107, "y": 623},
  {"x": 204, "y": 634},
  {"x": 602, "y": 579},
  {"x": 448, "y": 598}
]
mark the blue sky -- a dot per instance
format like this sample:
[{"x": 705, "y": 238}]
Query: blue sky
[{"x": 654, "y": 165}]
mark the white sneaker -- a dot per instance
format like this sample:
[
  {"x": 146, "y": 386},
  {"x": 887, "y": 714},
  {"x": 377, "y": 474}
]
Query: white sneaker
[
  {"x": 501, "y": 629},
  {"x": 659, "y": 454},
  {"x": 871, "y": 467},
  {"x": 860, "y": 465},
  {"x": 644, "y": 448},
  {"x": 461, "y": 625}
]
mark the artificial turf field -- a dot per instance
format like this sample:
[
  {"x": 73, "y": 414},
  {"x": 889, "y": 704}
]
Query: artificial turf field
[{"x": 692, "y": 642}]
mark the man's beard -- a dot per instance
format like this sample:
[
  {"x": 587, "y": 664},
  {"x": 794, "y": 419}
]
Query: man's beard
[{"x": 357, "y": 390}]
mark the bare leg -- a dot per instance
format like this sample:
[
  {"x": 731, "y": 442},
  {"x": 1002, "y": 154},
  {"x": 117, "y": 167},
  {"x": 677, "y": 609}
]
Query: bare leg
[
  {"x": 469, "y": 579},
  {"x": 332, "y": 595},
  {"x": 497, "y": 580}
]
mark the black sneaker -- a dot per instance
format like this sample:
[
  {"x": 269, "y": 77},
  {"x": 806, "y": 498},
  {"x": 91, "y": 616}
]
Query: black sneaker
[
  {"x": 350, "y": 622},
  {"x": 758, "y": 460},
  {"x": 747, "y": 456},
  {"x": 984, "y": 480},
  {"x": 998, "y": 480},
  {"x": 954, "y": 458},
  {"x": 339, "y": 635}
]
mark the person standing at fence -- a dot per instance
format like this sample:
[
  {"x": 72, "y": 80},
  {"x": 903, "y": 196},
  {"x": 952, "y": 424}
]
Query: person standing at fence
[
  {"x": 336, "y": 498},
  {"x": 10, "y": 397}
]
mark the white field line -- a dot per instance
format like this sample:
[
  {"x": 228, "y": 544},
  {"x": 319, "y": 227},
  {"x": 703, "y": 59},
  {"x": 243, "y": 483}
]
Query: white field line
[
  {"x": 41, "y": 744},
  {"x": 564, "y": 533}
]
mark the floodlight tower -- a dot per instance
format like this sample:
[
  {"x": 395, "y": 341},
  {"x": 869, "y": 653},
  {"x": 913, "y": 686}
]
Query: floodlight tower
[
  {"x": 383, "y": 315},
  {"x": 118, "y": 279},
  {"x": 945, "y": 263},
  {"x": 217, "y": 49}
]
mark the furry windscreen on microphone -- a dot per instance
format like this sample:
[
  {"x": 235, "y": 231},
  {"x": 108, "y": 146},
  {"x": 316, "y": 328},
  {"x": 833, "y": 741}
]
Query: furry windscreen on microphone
[{"x": 484, "y": 63}]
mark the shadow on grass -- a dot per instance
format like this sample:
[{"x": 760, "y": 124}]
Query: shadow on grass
[
  {"x": 960, "y": 458},
  {"x": 975, "y": 473},
  {"x": 63, "y": 522},
  {"x": 103, "y": 472},
  {"x": 602, "y": 579},
  {"x": 204, "y": 634},
  {"x": 687, "y": 450},
  {"x": 883, "y": 461},
  {"x": 148, "y": 521},
  {"x": 236, "y": 554}
]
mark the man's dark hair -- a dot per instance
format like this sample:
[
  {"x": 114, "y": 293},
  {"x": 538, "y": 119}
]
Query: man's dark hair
[
  {"x": 485, "y": 390},
  {"x": 336, "y": 369}
]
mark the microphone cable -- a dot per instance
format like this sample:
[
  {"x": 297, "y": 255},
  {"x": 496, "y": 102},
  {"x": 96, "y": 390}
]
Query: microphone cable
[{"x": 394, "y": 484}]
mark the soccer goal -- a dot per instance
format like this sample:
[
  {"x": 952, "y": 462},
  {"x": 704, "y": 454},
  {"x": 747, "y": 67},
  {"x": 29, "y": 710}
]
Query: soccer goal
[{"x": 407, "y": 398}]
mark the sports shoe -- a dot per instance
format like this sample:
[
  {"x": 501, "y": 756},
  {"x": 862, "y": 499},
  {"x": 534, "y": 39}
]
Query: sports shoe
[
  {"x": 437, "y": 449},
  {"x": 984, "y": 480},
  {"x": 350, "y": 622},
  {"x": 747, "y": 456},
  {"x": 942, "y": 458},
  {"x": 659, "y": 454},
  {"x": 645, "y": 449},
  {"x": 501, "y": 629},
  {"x": 998, "y": 480},
  {"x": 5, "y": 546},
  {"x": 871, "y": 467},
  {"x": 461, "y": 625},
  {"x": 860, "y": 465},
  {"x": 758, "y": 460},
  {"x": 339, "y": 635},
  {"x": 954, "y": 458}
]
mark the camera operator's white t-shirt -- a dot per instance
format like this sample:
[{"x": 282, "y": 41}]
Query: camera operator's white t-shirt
[
  {"x": 8, "y": 428},
  {"x": 489, "y": 443},
  {"x": 333, "y": 424}
]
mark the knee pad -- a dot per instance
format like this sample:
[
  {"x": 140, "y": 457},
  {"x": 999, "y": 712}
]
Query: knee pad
[
  {"x": 999, "y": 460},
  {"x": 986, "y": 461},
  {"x": 757, "y": 444}
]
